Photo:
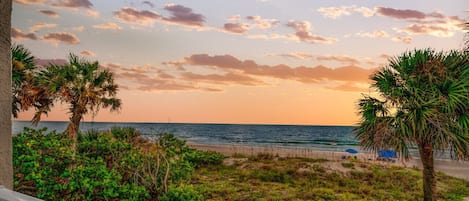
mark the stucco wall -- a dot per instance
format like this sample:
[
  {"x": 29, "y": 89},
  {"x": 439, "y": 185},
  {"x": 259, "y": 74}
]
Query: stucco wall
[{"x": 6, "y": 170}]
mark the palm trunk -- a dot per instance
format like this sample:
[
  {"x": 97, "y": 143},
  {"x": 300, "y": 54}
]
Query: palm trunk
[
  {"x": 429, "y": 182},
  {"x": 6, "y": 167},
  {"x": 72, "y": 131}
]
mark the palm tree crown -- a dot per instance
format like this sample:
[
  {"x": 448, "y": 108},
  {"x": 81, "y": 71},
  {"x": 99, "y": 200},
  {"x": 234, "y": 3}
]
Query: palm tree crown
[
  {"x": 84, "y": 86},
  {"x": 26, "y": 92}
]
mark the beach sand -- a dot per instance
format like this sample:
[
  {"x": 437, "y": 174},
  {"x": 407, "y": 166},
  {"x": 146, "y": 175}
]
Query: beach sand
[{"x": 459, "y": 169}]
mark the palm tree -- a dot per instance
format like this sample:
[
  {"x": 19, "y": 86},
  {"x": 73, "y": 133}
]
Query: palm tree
[
  {"x": 84, "y": 86},
  {"x": 6, "y": 168},
  {"x": 26, "y": 92},
  {"x": 22, "y": 75},
  {"x": 424, "y": 102}
]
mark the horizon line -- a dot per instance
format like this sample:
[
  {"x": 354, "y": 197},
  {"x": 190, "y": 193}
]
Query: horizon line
[{"x": 216, "y": 123}]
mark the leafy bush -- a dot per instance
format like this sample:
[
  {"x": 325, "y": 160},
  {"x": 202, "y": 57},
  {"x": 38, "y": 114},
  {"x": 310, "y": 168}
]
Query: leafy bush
[
  {"x": 110, "y": 165},
  {"x": 204, "y": 158},
  {"x": 348, "y": 165}
]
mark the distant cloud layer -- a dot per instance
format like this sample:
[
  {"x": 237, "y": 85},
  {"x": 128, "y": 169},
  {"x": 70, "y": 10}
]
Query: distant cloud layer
[
  {"x": 61, "y": 37},
  {"x": 180, "y": 15},
  {"x": 301, "y": 74},
  {"x": 149, "y": 78},
  {"x": 224, "y": 70},
  {"x": 19, "y": 35},
  {"x": 421, "y": 23}
]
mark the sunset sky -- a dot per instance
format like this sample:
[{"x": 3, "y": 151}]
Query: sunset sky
[{"x": 246, "y": 61}]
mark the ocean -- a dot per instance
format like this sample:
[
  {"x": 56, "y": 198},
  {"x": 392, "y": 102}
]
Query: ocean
[{"x": 327, "y": 138}]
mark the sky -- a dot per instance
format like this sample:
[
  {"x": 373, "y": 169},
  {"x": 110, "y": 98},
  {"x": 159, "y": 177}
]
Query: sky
[{"x": 248, "y": 61}]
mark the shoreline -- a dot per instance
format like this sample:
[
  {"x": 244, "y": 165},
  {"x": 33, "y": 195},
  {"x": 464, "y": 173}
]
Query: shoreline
[{"x": 459, "y": 169}]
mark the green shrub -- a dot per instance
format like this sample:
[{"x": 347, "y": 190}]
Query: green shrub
[
  {"x": 204, "y": 158},
  {"x": 127, "y": 134},
  {"x": 272, "y": 175},
  {"x": 348, "y": 165},
  {"x": 108, "y": 165},
  {"x": 186, "y": 193}
]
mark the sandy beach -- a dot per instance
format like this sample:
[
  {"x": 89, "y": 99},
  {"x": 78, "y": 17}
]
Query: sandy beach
[{"x": 459, "y": 169}]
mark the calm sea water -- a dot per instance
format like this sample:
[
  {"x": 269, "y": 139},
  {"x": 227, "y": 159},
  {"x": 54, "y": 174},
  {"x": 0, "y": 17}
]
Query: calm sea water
[{"x": 332, "y": 138}]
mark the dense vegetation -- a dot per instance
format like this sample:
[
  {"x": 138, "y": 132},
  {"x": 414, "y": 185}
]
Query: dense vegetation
[
  {"x": 120, "y": 164},
  {"x": 113, "y": 165},
  {"x": 272, "y": 178}
]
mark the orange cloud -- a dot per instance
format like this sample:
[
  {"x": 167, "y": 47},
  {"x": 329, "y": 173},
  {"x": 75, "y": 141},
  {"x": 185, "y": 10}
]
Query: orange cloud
[
  {"x": 303, "y": 33},
  {"x": 374, "y": 34},
  {"x": 403, "y": 39},
  {"x": 92, "y": 13},
  {"x": 238, "y": 28},
  {"x": 435, "y": 30},
  {"x": 385, "y": 56},
  {"x": 335, "y": 12},
  {"x": 262, "y": 23},
  {"x": 183, "y": 15},
  {"x": 237, "y": 25},
  {"x": 49, "y": 13},
  {"x": 228, "y": 78},
  {"x": 400, "y": 14},
  {"x": 61, "y": 37},
  {"x": 88, "y": 53},
  {"x": 351, "y": 87},
  {"x": 73, "y": 4},
  {"x": 434, "y": 23},
  {"x": 24, "y": 2},
  {"x": 19, "y": 35},
  {"x": 109, "y": 25},
  {"x": 134, "y": 16},
  {"x": 338, "y": 58},
  {"x": 39, "y": 26}
]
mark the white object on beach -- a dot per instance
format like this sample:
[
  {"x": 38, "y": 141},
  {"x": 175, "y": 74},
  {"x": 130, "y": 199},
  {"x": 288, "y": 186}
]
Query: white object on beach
[{"x": 9, "y": 195}]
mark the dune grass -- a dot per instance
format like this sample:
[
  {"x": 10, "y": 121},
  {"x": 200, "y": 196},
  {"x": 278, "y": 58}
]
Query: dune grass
[{"x": 272, "y": 178}]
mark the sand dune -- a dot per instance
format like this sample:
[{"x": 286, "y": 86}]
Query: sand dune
[{"x": 454, "y": 168}]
